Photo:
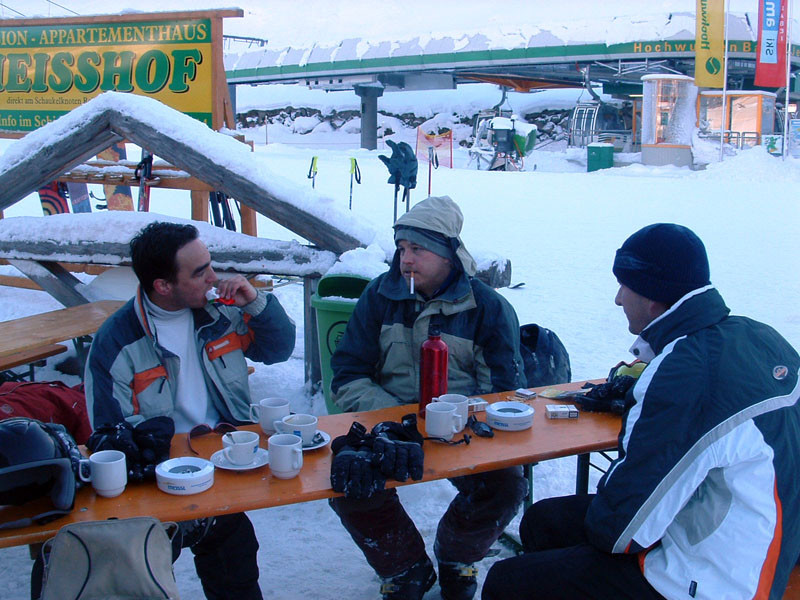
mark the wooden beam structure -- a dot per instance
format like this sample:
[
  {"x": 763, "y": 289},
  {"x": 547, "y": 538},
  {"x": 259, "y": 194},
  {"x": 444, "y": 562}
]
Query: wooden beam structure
[{"x": 52, "y": 159}]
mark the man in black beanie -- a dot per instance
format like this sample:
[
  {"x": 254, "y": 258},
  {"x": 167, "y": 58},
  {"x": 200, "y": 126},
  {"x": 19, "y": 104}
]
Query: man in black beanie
[{"x": 702, "y": 500}]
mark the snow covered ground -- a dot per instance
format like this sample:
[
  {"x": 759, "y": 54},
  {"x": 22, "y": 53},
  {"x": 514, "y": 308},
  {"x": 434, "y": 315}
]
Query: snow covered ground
[{"x": 560, "y": 227}]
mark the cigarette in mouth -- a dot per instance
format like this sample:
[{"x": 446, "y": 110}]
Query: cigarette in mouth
[{"x": 411, "y": 283}]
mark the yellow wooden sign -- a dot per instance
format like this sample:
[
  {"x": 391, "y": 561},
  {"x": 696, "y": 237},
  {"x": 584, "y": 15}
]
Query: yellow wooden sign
[{"x": 50, "y": 66}]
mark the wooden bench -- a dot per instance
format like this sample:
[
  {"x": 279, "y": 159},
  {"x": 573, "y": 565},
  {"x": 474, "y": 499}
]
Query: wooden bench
[{"x": 28, "y": 357}]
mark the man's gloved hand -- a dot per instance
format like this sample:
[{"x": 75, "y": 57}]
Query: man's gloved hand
[
  {"x": 398, "y": 459},
  {"x": 353, "y": 473},
  {"x": 402, "y": 164}
]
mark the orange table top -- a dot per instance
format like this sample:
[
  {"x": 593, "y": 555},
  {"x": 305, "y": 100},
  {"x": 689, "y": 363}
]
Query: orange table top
[
  {"x": 19, "y": 335},
  {"x": 236, "y": 491}
]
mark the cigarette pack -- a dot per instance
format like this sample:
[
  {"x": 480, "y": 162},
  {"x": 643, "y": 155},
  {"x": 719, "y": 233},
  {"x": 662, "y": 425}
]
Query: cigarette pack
[
  {"x": 561, "y": 411},
  {"x": 525, "y": 394},
  {"x": 477, "y": 404}
]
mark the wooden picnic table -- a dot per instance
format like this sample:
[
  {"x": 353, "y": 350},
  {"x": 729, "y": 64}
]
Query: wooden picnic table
[
  {"x": 75, "y": 322},
  {"x": 236, "y": 491}
]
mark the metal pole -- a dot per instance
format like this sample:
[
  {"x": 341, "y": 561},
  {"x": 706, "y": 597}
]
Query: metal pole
[
  {"x": 724, "y": 81},
  {"x": 788, "y": 79}
]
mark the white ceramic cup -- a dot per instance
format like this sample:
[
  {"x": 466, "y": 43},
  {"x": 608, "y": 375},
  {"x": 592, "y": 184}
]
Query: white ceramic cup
[
  {"x": 462, "y": 407},
  {"x": 302, "y": 425},
  {"x": 441, "y": 420},
  {"x": 267, "y": 411},
  {"x": 285, "y": 455},
  {"x": 108, "y": 472},
  {"x": 240, "y": 447}
]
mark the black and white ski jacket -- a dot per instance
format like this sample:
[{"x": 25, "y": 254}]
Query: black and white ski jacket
[{"x": 706, "y": 485}]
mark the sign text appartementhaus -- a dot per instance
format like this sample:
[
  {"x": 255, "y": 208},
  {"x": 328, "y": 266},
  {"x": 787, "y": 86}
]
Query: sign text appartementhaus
[{"x": 47, "y": 70}]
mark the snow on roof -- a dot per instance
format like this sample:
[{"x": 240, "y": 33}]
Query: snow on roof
[
  {"x": 669, "y": 76},
  {"x": 668, "y": 26},
  {"x": 217, "y": 147},
  {"x": 103, "y": 230}
]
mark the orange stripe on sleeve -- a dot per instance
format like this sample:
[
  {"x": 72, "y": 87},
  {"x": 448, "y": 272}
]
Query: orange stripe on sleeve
[{"x": 771, "y": 560}]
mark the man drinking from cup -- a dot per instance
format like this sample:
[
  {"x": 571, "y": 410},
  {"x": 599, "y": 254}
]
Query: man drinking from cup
[
  {"x": 170, "y": 352},
  {"x": 376, "y": 364}
]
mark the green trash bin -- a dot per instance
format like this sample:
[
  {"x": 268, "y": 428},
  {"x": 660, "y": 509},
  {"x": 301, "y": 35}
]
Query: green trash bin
[
  {"x": 334, "y": 302},
  {"x": 599, "y": 156}
]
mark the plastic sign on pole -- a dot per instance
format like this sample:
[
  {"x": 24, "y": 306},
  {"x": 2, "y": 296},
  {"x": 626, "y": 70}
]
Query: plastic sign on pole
[
  {"x": 771, "y": 49},
  {"x": 710, "y": 44}
]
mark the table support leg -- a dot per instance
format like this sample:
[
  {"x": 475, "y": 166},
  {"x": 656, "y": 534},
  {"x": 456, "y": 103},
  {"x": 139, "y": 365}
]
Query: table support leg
[
  {"x": 582, "y": 474},
  {"x": 82, "y": 352},
  {"x": 528, "y": 472}
]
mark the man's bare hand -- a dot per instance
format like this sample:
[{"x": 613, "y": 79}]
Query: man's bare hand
[{"x": 238, "y": 289}]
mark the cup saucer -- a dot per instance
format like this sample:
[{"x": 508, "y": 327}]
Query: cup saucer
[
  {"x": 219, "y": 460},
  {"x": 321, "y": 438}
]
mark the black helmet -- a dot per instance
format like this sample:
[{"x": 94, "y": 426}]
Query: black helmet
[{"x": 36, "y": 459}]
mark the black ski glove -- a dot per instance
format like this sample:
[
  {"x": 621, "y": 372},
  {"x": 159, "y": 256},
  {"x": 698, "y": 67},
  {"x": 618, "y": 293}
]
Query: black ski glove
[
  {"x": 404, "y": 431},
  {"x": 116, "y": 437},
  {"x": 610, "y": 397},
  {"x": 153, "y": 437},
  {"x": 399, "y": 459},
  {"x": 402, "y": 165},
  {"x": 353, "y": 473},
  {"x": 144, "y": 446}
]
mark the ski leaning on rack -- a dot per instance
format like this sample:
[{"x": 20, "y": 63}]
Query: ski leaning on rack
[
  {"x": 118, "y": 197},
  {"x": 144, "y": 172},
  {"x": 54, "y": 198},
  {"x": 79, "y": 197},
  {"x": 221, "y": 214}
]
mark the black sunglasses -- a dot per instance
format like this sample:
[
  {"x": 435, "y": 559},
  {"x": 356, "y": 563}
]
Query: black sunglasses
[
  {"x": 198, "y": 430},
  {"x": 464, "y": 440}
]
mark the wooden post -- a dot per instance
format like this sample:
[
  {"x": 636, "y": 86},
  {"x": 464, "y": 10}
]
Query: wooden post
[
  {"x": 249, "y": 224},
  {"x": 312, "y": 362},
  {"x": 200, "y": 206}
]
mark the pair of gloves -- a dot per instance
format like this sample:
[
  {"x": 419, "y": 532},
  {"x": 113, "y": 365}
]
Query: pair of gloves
[
  {"x": 402, "y": 165},
  {"x": 363, "y": 461},
  {"x": 144, "y": 446},
  {"x": 611, "y": 396}
]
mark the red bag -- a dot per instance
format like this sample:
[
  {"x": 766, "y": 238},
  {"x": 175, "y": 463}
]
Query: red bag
[{"x": 49, "y": 402}]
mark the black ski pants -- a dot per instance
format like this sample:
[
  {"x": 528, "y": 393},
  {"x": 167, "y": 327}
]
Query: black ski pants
[
  {"x": 560, "y": 564},
  {"x": 225, "y": 559},
  {"x": 484, "y": 505}
]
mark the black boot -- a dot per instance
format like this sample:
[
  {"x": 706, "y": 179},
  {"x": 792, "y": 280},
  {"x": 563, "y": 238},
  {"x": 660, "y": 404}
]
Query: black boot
[
  {"x": 458, "y": 581},
  {"x": 412, "y": 583}
]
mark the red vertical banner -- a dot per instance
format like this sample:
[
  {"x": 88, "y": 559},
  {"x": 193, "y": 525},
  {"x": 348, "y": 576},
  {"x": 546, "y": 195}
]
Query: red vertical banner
[{"x": 771, "y": 50}]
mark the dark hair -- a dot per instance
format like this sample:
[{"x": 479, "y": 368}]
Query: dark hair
[{"x": 153, "y": 251}]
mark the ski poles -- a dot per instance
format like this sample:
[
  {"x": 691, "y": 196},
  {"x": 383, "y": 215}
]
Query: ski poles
[
  {"x": 354, "y": 172},
  {"x": 312, "y": 171},
  {"x": 433, "y": 162},
  {"x": 144, "y": 171},
  {"x": 221, "y": 214}
]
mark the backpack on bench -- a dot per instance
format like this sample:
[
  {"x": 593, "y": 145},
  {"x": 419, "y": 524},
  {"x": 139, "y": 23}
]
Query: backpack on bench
[
  {"x": 545, "y": 358},
  {"x": 118, "y": 559}
]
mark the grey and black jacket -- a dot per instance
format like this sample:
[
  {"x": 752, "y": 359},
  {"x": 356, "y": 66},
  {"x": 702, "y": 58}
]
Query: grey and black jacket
[
  {"x": 130, "y": 376},
  {"x": 706, "y": 485}
]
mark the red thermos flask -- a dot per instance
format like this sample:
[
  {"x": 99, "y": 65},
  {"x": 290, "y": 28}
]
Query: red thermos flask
[{"x": 432, "y": 369}]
